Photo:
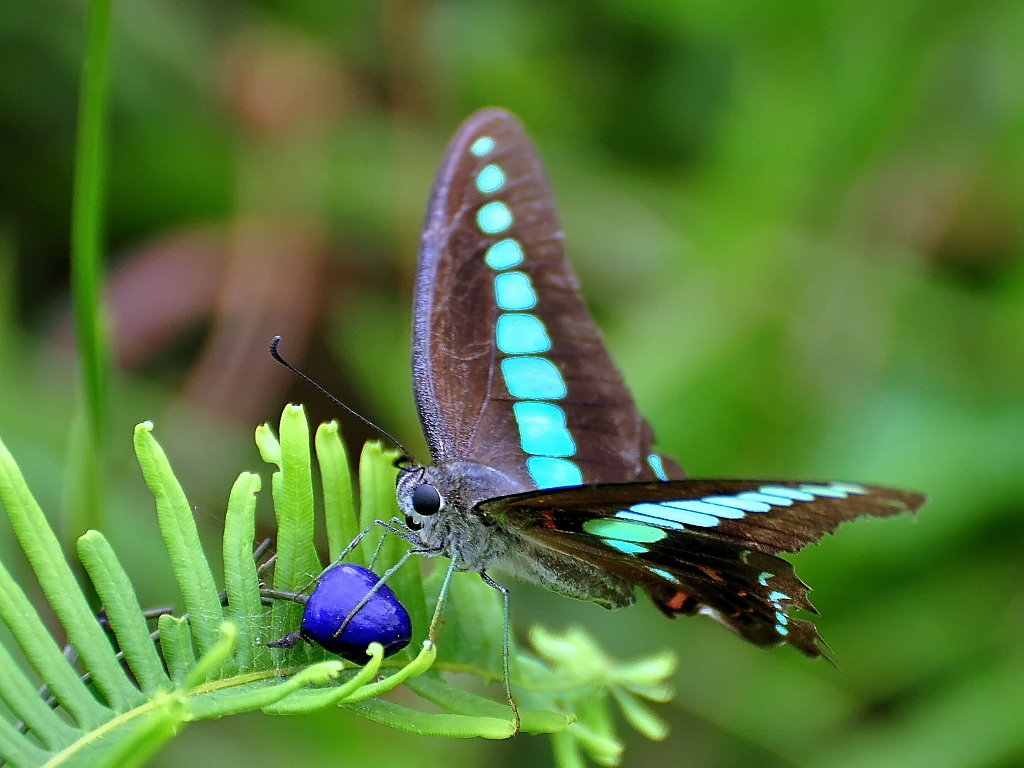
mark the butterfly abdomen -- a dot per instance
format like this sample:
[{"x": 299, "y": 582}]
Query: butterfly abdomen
[{"x": 566, "y": 575}]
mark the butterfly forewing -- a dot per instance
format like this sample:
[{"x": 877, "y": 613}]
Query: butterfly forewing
[{"x": 510, "y": 370}]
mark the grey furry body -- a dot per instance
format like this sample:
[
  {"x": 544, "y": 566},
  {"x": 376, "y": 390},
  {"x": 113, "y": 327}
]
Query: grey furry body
[{"x": 482, "y": 543}]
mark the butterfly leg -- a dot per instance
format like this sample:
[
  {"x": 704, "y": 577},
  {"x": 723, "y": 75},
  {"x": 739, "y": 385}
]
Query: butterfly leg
[
  {"x": 506, "y": 643},
  {"x": 442, "y": 596},
  {"x": 398, "y": 527},
  {"x": 395, "y": 526}
]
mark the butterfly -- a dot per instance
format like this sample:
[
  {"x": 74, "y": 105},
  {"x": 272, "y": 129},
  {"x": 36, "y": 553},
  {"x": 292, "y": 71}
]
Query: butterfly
[{"x": 541, "y": 463}]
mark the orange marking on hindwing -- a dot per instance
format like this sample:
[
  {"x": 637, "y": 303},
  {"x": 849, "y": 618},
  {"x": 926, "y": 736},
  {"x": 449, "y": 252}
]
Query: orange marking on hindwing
[
  {"x": 713, "y": 573},
  {"x": 677, "y": 601}
]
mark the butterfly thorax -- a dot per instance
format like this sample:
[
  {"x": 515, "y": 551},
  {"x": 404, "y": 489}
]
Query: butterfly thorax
[{"x": 455, "y": 526}]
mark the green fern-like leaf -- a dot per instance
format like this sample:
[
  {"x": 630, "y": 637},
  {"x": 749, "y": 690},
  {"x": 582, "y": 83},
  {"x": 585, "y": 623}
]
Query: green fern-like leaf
[{"x": 101, "y": 706}]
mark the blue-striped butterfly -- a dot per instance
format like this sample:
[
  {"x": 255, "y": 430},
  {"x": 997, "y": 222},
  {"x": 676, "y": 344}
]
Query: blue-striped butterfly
[{"x": 542, "y": 464}]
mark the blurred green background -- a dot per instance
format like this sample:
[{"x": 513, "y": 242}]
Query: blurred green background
[{"x": 799, "y": 225}]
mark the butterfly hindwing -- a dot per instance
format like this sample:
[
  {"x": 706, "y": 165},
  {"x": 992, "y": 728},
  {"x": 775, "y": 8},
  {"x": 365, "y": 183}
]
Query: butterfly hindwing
[
  {"x": 748, "y": 591},
  {"x": 509, "y": 369},
  {"x": 703, "y": 545}
]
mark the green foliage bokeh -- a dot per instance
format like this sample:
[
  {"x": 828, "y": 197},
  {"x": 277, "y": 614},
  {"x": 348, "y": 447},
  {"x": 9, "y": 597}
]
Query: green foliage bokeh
[{"x": 799, "y": 225}]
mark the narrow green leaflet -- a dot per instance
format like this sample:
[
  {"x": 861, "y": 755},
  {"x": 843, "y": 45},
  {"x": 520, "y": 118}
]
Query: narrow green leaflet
[
  {"x": 123, "y": 611},
  {"x": 297, "y": 561},
  {"x": 18, "y": 692},
  {"x": 341, "y": 525},
  {"x": 423, "y": 724},
  {"x": 58, "y": 583},
  {"x": 241, "y": 581},
  {"x": 178, "y": 529}
]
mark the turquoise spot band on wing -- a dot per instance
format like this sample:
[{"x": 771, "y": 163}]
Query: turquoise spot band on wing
[
  {"x": 533, "y": 378},
  {"x": 482, "y": 146},
  {"x": 668, "y": 516},
  {"x": 835, "y": 490},
  {"x": 542, "y": 430},
  {"x": 608, "y": 528},
  {"x": 706, "y": 506},
  {"x": 504, "y": 254},
  {"x": 740, "y": 503},
  {"x": 710, "y": 511},
  {"x": 785, "y": 493},
  {"x": 626, "y": 547},
  {"x": 490, "y": 179},
  {"x": 657, "y": 466},
  {"x": 514, "y": 291},
  {"x": 552, "y": 472},
  {"x": 775, "y": 598},
  {"x": 521, "y": 336},
  {"x": 781, "y": 619},
  {"x": 664, "y": 574},
  {"x": 494, "y": 217}
]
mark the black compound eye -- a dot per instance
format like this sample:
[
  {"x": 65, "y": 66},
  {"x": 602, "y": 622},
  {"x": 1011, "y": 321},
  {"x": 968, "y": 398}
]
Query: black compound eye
[{"x": 426, "y": 500}]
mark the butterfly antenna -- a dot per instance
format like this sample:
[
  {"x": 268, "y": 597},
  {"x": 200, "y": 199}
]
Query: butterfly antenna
[{"x": 276, "y": 342}]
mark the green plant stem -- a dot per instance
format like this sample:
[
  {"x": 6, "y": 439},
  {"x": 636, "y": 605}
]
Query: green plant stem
[{"x": 86, "y": 259}]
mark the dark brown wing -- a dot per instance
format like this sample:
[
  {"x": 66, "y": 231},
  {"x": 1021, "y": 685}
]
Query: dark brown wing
[{"x": 509, "y": 369}]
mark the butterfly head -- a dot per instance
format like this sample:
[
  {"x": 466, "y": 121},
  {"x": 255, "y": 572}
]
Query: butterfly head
[{"x": 439, "y": 505}]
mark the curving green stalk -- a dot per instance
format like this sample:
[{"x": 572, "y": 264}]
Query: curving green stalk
[{"x": 87, "y": 269}]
